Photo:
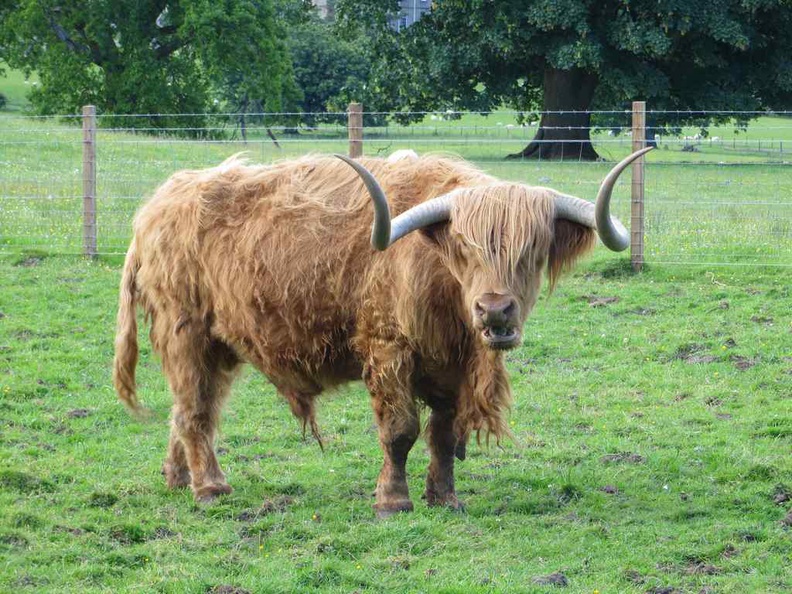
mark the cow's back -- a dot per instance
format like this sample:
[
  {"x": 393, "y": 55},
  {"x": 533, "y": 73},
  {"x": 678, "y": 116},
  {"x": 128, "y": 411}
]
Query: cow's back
[{"x": 276, "y": 259}]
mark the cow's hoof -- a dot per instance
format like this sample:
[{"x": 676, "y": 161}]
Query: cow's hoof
[
  {"x": 386, "y": 510},
  {"x": 449, "y": 501},
  {"x": 209, "y": 493},
  {"x": 176, "y": 477}
]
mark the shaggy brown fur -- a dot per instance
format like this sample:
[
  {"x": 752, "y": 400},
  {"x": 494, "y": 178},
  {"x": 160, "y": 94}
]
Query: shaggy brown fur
[{"x": 272, "y": 265}]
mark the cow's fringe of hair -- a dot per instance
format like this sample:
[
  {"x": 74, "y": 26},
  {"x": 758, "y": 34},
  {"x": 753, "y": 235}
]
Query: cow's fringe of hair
[{"x": 504, "y": 221}]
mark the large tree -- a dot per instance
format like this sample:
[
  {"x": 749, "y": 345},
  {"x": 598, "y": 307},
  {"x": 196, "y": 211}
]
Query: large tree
[
  {"x": 566, "y": 57},
  {"x": 329, "y": 71},
  {"x": 148, "y": 56}
]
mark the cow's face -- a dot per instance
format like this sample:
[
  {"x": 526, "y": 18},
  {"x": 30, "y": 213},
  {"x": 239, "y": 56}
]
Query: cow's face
[
  {"x": 496, "y": 247},
  {"x": 497, "y": 304}
]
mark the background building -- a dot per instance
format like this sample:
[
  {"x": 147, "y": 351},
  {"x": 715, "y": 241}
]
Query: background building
[{"x": 410, "y": 11}]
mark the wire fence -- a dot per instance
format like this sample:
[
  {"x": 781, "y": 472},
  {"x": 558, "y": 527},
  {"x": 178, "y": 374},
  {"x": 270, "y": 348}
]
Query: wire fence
[{"x": 718, "y": 197}]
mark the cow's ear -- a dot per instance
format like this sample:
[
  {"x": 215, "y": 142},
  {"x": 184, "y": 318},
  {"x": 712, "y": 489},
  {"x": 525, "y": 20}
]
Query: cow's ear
[
  {"x": 570, "y": 242},
  {"x": 437, "y": 234}
]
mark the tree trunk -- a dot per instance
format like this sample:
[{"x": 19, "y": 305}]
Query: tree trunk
[{"x": 566, "y": 122}]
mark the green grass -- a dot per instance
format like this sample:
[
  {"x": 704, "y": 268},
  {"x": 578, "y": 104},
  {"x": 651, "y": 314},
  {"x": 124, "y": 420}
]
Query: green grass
[
  {"x": 15, "y": 86},
  {"x": 695, "y": 202},
  {"x": 652, "y": 441},
  {"x": 652, "y": 434}
]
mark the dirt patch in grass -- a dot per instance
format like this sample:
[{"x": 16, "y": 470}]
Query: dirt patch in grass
[
  {"x": 693, "y": 354},
  {"x": 78, "y": 413},
  {"x": 701, "y": 568},
  {"x": 69, "y": 530},
  {"x": 764, "y": 320},
  {"x": 627, "y": 457},
  {"x": 29, "y": 261},
  {"x": 554, "y": 579},
  {"x": 29, "y": 581},
  {"x": 128, "y": 534},
  {"x": 103, "y": 500},
  {"x": 743, "y": 363},
  {"x": 13, "y": 540},
  {"x": 21, "y": 482},
  {"x": 634, "y": 577},
  {"x": 729, "y": 551},
  {"x": 162, "y": 533},
  {"x": 226, "y": 590},
  {"x": 269, "y": 506},
  {"x": 749, "y": 536},
  {"x": 781, "y": 494},
  {"x": 597, "y": 301}
]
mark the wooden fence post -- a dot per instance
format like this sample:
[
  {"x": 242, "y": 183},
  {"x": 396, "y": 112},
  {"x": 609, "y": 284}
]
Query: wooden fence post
[
  {"x": 355, "y": 127},
  {"x": 637, "y": 199},
  {"x": 89, "y": 180}
]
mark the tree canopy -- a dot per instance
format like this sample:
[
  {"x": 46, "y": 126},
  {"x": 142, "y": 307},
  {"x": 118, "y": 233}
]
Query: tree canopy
[
  {"x": 573, "y": 55},
  {"x": 330, "y": 71},
  {"x": 148, "y": 56}
]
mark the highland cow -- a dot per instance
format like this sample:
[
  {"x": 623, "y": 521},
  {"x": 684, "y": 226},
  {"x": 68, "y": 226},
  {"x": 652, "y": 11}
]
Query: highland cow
[{"x": 273, "y": 266}]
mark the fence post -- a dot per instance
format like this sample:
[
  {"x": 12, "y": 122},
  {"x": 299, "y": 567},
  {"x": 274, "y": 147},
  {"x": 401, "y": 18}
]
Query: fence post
[
  {"x": 355, "y": 127},
  {"x": 637, "y": 194},
  {"x": 89, "y": 180}
]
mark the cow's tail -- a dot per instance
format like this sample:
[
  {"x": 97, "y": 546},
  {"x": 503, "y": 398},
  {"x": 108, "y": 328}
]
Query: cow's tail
[{"x": 126, "y": 343}]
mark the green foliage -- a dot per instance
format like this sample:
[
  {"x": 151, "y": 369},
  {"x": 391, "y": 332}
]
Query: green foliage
[
  {"x": 135, "y": 56},
  {"x": 677, "y": 55},
  {"x": 330, "y": 71}
]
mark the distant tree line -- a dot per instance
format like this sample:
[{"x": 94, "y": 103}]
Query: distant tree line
[
  {"x": 560, "y": 57},
  {"x": 568, "y": 57},
  {"x": 180, "y": 57}
]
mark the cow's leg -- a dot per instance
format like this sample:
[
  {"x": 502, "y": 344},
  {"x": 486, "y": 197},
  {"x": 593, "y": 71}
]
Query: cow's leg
[
  {"x": 398, "y": 423},
  {"x": 398, "y": 431},
  {"x": 175, "y": 469},
  {"x": 200, "y": 372},
  {"x": 443, "y": 444}
]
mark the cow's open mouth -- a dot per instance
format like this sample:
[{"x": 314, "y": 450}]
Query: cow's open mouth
[{"x": 501, "y": 338}]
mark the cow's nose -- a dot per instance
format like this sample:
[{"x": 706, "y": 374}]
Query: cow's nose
[{"x": 495, "y": 310}]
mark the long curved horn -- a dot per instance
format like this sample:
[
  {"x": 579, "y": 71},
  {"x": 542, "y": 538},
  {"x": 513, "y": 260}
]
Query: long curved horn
[
  {"x": 597, "y": 216},
  {"x": 385, "y": 232},
  {"x": 381, "y": 228}
]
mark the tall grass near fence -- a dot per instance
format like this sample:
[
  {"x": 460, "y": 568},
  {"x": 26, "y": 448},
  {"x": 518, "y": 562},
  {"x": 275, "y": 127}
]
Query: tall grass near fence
[{"x": 725, "y": 199}]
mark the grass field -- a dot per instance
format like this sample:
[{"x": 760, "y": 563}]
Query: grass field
[
  {"x": 695, "y": 201},
  {"x": 651, "y": 454},
  {"x": 652, "y": 420},
  {"x": 15, "y": 87}
]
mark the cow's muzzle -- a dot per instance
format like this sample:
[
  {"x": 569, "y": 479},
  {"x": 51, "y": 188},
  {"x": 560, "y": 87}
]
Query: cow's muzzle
[{"x": 496, "y": 317}]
